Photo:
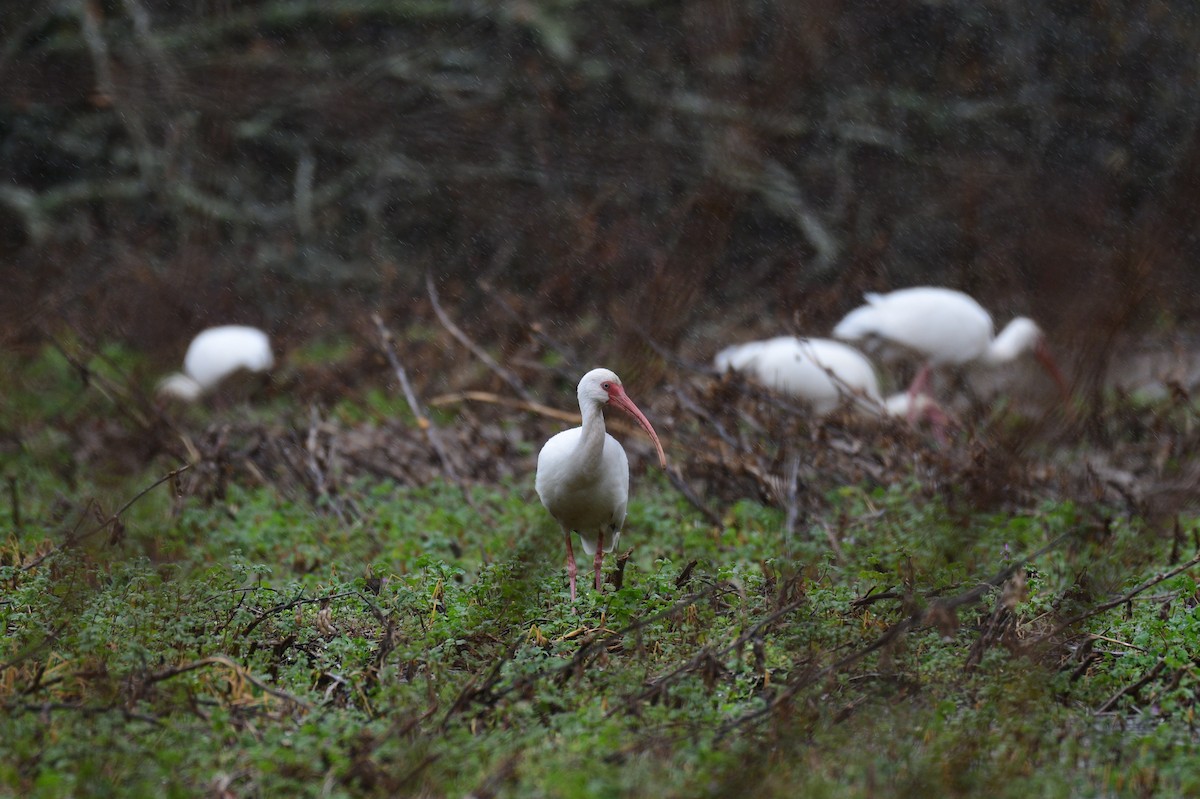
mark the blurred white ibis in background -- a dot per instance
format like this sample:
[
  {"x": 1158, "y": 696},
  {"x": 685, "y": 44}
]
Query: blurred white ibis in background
[
  {"x": 214, "y": 355},
  {"x": 822, "y": 373},
  {"x": 945, "y": 328},
  {"x": 818, "y": 371},
  {"x": 583, "y": 473}
]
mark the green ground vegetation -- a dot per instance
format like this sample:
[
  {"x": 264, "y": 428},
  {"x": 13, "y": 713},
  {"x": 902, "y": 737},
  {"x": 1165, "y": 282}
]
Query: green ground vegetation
[{"x": 260, "y": 644}]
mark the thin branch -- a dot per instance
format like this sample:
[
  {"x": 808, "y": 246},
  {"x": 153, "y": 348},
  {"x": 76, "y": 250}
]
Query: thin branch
[
  {"x": 14, "y": 503},
  {"x": 286, "y": 606},
  {"x": 694, "y": 408},
  {"x": 24, "y": 203},
  {"x": 537, "y": 330},
  {"x": 387, "y": 342},
  {"x": 705, "y": 654},
  {"x": 320, "y": 483},
  {"x": 1121, "y": 600},
  {"x": 74, "y": 538},
  {"x": 237, "y": 668},
  {"x": 501, "y": 399},
  {"x": 1132, "y": 688},
  {"x": 86, "y": 710},
  {"x": 164, "y": 70},
  {"x": 302, "y": 192},
  {"x": 936, "y": 609},
  {"x": 681, "y": 485},
  {"x": 586, "y": 651},
  {"x": 120, "y": 396},
  {"x": 710, "y": 109},
  {"x": 15, "y": 38},
  {"x": 504, "y": 374},
  {"x": 90, "y": 21},
  {"x": 613, "y": 424},
  {"x": 781, "y": 192},
  {"x": 791, "y": 498}
]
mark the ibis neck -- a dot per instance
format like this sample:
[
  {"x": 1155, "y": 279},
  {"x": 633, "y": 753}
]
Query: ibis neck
[
  {"x": 181, "y": 386},
  {"x": 1001, "y": 350},
  {"x": 591, "y": 441},
  {"x": 1016, "y": 337}
]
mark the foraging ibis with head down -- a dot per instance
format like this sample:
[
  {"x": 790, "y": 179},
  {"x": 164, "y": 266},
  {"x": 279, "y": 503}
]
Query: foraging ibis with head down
[
  {"x": 583, "y": 473},
  {"x": 820, "y": 372},
  {"x": 214, "y": 355},
  {"x": 945, "y": 328},
  {"x": 825, "y": 374}
]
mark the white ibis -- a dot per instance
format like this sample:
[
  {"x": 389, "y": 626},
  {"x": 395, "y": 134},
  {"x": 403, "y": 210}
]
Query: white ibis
[
  {"x": 945, "y": 328},
  {"x": 819, "y": 371},
  {"x": 583, "y": 473},
  {"x": 825, "y": 374},
  {"x": 214, "y": 355}
]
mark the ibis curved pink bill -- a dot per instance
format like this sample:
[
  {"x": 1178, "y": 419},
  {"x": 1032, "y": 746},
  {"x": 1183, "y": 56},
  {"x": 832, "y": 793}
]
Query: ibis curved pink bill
[{"x": 583, "y": 473}]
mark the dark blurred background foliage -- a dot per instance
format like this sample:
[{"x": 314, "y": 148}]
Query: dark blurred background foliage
[{"x": 679, "y": 169}]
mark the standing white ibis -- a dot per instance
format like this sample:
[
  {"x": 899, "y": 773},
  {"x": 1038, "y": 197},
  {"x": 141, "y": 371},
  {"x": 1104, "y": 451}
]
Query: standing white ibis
[
  {"x": 945, "y": 328},
  {"x": 583, "y": 473},
  {"x": 214, "y": 355}
]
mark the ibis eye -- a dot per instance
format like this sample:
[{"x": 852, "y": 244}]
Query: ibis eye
[{"x": 606, "y": 386}]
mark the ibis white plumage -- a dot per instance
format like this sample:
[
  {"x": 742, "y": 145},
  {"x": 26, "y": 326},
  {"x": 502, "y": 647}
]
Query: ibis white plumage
[
  {"x": 583, "y": 473},
  {"x": 945, "y": 328},
  {"x": 214, "y": 355},
  {"x": 821, "y": 372},
  {"x": 826, "y": 375}
]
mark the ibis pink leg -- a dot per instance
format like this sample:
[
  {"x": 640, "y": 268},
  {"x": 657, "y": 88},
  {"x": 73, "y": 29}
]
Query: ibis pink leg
[
  {"x": 570, "y": 562},
  {"x": 598, "y": 562},
  {"x": 919, "y": 384},
  {"x": 939, "y": 422}
]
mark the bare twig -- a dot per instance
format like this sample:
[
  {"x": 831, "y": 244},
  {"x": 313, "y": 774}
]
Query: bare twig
[
  {"x": 14, "y": 502},
  {"x": 598, "y": 642},
  {"x": 538, "y": 331},
  {"x": 237, "y": 668},
  {"x": 164, "y": 70},
  {"x": 302, "y": 193},
  {"x": 712, "y": 109},
  {"x": 24, "y": 203},
  {"x": 34, "y": 17},
  {"x": 613, "y": 424},
  {"x": 834, "y": 543},
  {"x": 668, "y": 355},
  {"x": 656, "y": 685},
  {"x": 937, "y": 609},
  {"x": 617, "y": 575},
  {"x": 504, "y": 374},
  {"x": 387, "y": 342},
  {"x": 90, "y": 20},
  {"x": 320, "y": 483},
  {"x": 286, "y": 606},
  {"x": 693, "y": 407},
  {"x": 86, "y": 710},
  {"x": 781, "y": 192},
  {"x": 475, "y": 689},
  {"x": 681, "y": 485},
  {"x": 500, "y": 399},
  {"x": 791, "y": 498},
  {"x": 121, "y": 398},
  {"x": 76, "y": 537},
  {"x": 1121, "y": 600},
  {"x": 1111, "y": 702},
  {"x": 497, "y": 778}
]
